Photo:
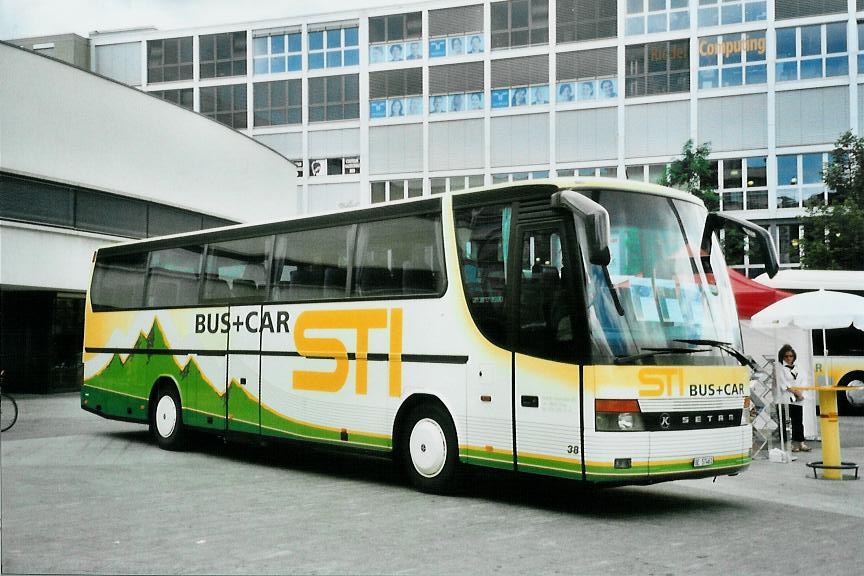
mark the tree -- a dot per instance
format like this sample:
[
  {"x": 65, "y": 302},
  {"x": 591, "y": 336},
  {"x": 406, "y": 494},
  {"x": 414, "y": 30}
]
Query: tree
[
  {"x": 693, "y": 172},
  {"x": 834, "y": 233}
]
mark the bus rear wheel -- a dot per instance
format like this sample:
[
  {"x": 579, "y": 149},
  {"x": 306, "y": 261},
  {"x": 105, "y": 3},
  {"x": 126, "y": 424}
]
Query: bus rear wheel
[
  {"x": 429, "y": 451},
  {"x": 166, "y": 421}
]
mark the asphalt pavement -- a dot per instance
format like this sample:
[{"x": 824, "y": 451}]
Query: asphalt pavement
[{"x": 84, "y": 495}]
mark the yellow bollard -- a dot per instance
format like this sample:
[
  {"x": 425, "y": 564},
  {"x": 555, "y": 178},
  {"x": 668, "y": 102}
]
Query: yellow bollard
[{"x": 828, "y": 424}]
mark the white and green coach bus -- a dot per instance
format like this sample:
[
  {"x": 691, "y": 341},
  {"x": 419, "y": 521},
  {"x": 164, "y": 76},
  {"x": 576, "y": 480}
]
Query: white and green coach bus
[{"x": 579, "y": 328}]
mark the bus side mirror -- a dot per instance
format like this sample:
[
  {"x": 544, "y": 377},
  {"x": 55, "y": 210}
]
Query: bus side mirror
[
  {"x": 717, "y": 221},
  {"x": 595, "y": 220}
]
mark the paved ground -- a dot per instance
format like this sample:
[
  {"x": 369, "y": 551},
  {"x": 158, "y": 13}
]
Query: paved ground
[{"x": 85, "y": 495}]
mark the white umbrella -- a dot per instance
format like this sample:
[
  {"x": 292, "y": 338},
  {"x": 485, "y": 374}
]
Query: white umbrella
[{"x": 823, "y": 309}]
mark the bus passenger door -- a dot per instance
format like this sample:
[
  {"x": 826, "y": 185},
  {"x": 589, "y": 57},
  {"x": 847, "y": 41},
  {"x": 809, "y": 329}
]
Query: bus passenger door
[
  {"x": 545, "y": 338},
  {"x": 243, "y": 378}
]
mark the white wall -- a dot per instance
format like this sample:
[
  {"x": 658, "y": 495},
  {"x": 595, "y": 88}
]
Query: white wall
[
  {"x": 587, "y": 135},
  {"x": 519, "y": 140},
  {"x": 734, "y": 122},
  {"x": 655, "y": 129},
  {"x": 47, "y": 258},
  {"x": 813, "y": 116},
  {"x": 63, "y": 124}
]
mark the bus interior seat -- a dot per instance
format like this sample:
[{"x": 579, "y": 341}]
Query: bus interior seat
[
  {"x": 307, "y": 282},
  {"x": 374, "y": 281},
  {"x": 334, "y": 282},
  {"x": 244, "y": 288},
  {"x": 217, "y": 289},
  {"x": 417, "y": 280},
  {"x": 171, "y": 288}
]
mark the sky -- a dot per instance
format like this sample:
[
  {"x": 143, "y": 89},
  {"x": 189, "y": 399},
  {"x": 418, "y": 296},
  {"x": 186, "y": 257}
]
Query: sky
[{"x": 26, "y": 18}]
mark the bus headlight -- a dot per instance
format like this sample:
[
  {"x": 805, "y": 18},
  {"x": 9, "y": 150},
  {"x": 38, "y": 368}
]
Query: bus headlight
[
  {"x": 625, "y": 421},
  {"x": 618, "y": 416}
]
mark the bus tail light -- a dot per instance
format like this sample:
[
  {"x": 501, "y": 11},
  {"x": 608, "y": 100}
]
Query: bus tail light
[
  {"x": 618, "y": 416},
  {"x": 745, "y": 412}
]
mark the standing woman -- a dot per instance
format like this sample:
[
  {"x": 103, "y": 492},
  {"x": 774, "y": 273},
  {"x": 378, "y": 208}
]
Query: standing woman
[{"x": 788, "y": 377}]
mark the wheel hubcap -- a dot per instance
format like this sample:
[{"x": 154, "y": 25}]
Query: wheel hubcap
[
  {"x": 428, "y": 447},
  {"x": 855, "y": 397},
  {"x": 166, "y": 416}
]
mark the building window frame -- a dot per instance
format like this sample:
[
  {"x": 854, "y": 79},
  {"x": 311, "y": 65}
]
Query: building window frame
[
  {"x": 573, "y": 25},
  {"x": 277, "y": 103},
  {"x": 732, "y": 60},
  {"x": 520, "y": 176},
  {"x": 656, "y": 16},
  {"x": 395, "y": 189},
  {"x": 801, "y": 60},
  {"x": 588, "y": 172},
  {"x": 331, "y": 107},
  {"x": 644, "y": 73},
  {"x": 183, "y": 97},
  {"x": 800, "y": 181},
  {"x": 860, "y": 25},
  {"x": 527, "y": 23},
  {"x": 741, "y": 183},
  {"x": 335, "y": 46},
  {"x": 222, "y": 55},
  {"x": 277, "y": 53},
  {"x": 169, "y": 60},
  {"x": 395, "y": 37},
  {"x": 226, "y": 104},
  {"x": 713, "y": 13}
]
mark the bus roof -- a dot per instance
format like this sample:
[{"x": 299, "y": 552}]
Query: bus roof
[
  {"x": 576, "y": 183},
  {"x": 593, "y": 183},
  {"x": 805, "y": 280}
]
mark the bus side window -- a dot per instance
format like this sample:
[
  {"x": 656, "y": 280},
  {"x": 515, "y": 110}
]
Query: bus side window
[
  {"x": 238, "y": 269},
  {"x": 482, "y": 241},
  {"x": 399, "y": 257},
  {"x": 172, "y": 277},
  {"x": 845, "y": 342},
  {"x": 312, "y": 264},
  {"x": 118, "y": 282},
  {"x": 818, "y": 342},
  {"x": 546, "y": 305}
]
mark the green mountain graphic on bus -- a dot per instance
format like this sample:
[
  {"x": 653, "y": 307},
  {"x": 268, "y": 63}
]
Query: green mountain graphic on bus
[{"x": 122, "y": 389}]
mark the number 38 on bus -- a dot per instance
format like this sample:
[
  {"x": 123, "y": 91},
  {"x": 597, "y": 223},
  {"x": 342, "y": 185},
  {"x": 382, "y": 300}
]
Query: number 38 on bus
[{"x": 577, "y": 328}]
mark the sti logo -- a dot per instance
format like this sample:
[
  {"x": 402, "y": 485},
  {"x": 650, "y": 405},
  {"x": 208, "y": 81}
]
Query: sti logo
[
  {"x": 360, "y": 321},
  {"x": 661, "y": 382}
]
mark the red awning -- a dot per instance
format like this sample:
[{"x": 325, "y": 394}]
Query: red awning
[{"x": 751, "y": 296}]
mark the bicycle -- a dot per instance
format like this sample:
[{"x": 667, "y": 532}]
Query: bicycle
[{"x": 8, "y": 409}]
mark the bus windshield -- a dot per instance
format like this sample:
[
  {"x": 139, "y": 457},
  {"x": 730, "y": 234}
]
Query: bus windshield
[{"x": 665, "y": 292}]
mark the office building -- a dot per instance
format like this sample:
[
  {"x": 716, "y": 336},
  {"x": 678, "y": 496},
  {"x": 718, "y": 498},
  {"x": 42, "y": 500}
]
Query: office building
[{"x": 389, "y": 103}]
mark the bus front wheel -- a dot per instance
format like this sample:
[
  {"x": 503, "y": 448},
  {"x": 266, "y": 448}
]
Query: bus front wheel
[
  {"x": 429, "y": 451},
  {"x": 166, "y": 422}
]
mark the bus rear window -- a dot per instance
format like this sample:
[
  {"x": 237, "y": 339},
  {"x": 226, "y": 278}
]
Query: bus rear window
[{"x": 118, "y": 282}]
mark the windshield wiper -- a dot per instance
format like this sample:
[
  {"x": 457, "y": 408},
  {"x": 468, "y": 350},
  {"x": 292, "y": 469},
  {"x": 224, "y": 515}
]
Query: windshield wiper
[
  {"x": 725, "y": 346},
  {"x": 657, "y": 352}
]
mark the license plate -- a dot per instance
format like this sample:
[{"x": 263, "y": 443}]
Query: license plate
[{"x": 702, "y": 461}]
